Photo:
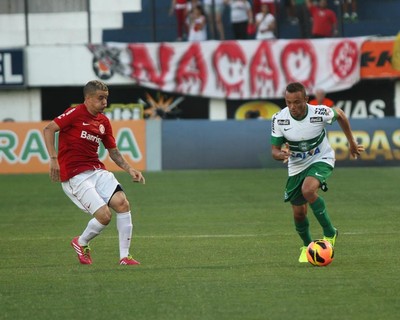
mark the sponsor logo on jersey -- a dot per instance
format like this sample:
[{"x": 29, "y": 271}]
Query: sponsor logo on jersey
[
  {"x": 284, "y": 122},
  {"x": 322, "y": 111},
  {"x": 90, "y": 137},
  {"x": 315, "y": 119},
  {"x": 303, "y": 155}
]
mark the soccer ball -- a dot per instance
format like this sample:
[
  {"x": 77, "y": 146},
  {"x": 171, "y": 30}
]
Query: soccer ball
[{"x": 320, "y": 253}]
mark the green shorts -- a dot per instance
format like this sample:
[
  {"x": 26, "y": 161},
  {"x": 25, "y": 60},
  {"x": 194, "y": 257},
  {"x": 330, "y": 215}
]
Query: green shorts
[{"x": 318, "y": 170}]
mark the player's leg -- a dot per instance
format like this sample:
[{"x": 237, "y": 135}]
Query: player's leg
[
  {"x": 81, "y": 190},
  {"x": 317, "y": 203},
  {"x": 101, "y": 218},
  {"x": 302, "y": 228},
  {"x": 299, "y": 207},
  {"x": 301, "y": 223},
  {"x": 112, "y": 193},
  {"x": 120, "y": 205}
]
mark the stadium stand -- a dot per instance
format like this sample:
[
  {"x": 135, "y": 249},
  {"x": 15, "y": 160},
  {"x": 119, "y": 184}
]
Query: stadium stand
[{"x": 375, "y": 18}]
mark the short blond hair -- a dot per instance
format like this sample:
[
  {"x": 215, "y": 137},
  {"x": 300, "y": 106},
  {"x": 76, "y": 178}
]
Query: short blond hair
[{"x": 92, "y": 86}]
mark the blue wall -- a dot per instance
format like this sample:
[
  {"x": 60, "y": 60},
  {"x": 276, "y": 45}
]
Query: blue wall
[{"x": 204, "y": 144}]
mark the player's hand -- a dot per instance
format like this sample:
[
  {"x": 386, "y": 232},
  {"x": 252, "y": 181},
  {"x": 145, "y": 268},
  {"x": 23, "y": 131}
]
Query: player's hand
[
  {"x": 356, "y": 149},
  {"x": 137, "y": 176},
  {"x": 285, "y": 152},
  {"x": 54, "y": 170}
]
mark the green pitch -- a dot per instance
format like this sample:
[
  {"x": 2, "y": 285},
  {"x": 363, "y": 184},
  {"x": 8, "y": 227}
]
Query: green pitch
[{"x": 213, "y": 245}]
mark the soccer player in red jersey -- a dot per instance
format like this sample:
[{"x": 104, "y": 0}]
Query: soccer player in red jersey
[{"x": 84, "y": 177}]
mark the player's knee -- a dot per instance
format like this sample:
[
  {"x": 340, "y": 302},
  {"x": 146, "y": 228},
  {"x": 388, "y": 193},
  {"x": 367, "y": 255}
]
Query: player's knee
[
  {"x": 120, "y": 203},
  {"x": 103, "y": 215},
  {"x": 124, "y": 206},
  {"x": 308, "y": 193}
]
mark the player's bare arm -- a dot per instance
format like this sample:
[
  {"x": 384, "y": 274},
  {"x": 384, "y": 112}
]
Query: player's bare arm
[
  {"x": 355, "y": 148},
  {"x": 117, "y": 157},
  {"x": 280, "y": 153},
  {"x": 49, "y": 137}
]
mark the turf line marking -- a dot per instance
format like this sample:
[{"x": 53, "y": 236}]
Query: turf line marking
[
  {"x": 162, "y": 236},
  {"x": 197, "y": 236},
  {"x": 209, "y": 236}
]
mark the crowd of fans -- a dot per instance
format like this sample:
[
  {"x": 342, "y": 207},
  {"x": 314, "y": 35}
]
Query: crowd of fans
[{"x": 258, "y": 19}]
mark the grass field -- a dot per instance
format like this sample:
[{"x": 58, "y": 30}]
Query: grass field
[{"x": 213, "y": 245}]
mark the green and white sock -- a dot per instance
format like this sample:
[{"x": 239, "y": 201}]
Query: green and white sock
[
  {"x": 302, "y": 228},
  {"x": 319, "y": 209}
]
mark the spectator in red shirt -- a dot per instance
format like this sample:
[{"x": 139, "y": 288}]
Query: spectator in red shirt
[
  {"x": 84, "y": 177},
  {"x": 324, "y": 20},
  {"x": 321, "y": 99}
]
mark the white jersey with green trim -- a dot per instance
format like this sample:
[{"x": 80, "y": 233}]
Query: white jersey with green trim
[{"x": 306, "y": 138}]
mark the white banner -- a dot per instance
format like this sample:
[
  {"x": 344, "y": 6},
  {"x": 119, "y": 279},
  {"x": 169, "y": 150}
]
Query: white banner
[{"x": 233, "y": 69}]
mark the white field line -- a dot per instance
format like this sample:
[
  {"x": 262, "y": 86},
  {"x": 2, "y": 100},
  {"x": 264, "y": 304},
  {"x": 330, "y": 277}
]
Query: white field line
[{"x": 193, "y": 236}]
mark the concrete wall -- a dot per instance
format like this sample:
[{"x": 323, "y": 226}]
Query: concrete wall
[
  {"x": 21, "y": 105},
  {"x": 52, "y": 22}
]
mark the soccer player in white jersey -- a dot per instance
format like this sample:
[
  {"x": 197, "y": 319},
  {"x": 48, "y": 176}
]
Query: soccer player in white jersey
[
  {"x": 84, "y": 177},
  {"x": 298, "y": 137}
]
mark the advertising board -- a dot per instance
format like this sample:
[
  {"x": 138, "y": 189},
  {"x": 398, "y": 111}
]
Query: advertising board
[{"x": 23, "y": 150}]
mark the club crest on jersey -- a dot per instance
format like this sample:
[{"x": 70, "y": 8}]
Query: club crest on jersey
[
  {"x": 315, "y": 119},
  {"x": 102, "y": 129},
  {"x": 284, "y": 122},
  {"x": 304, "y": 146}
]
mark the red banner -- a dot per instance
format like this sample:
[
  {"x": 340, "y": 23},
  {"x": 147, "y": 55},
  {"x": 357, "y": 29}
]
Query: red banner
[{"x": 234, "y": 69}]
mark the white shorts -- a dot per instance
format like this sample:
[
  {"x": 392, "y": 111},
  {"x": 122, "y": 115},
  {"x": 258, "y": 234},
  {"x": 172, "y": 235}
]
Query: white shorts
[{"x": 91, "y": 190}]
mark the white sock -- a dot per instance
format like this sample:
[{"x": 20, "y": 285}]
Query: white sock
[
  {"x": 124, "y": 227},
  {"x": 93, "y": 229}
]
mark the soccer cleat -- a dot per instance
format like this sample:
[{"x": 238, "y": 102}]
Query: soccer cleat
[
  {"x": 303, "y": 255},
  {"x": 128, "y": 261},
  {"x": 83, "y": 252},
  {"x": 332, "y": 240}
]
